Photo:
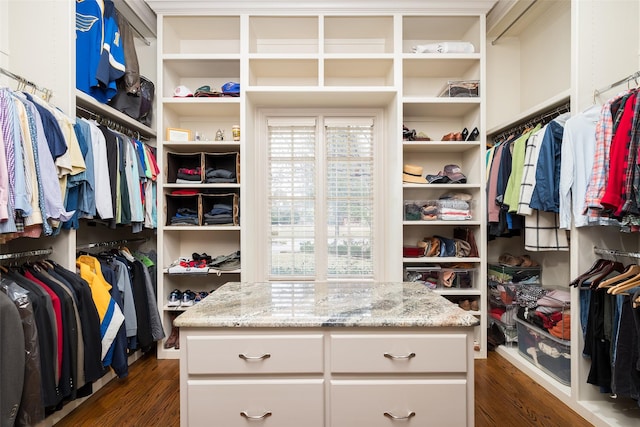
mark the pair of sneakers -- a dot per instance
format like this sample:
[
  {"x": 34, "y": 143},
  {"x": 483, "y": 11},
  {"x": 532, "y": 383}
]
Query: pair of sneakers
[{"x": 178, "y": 298}]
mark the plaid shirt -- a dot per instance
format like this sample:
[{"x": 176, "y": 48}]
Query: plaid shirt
[
  {"x": 604, "y": 134},
  {"x": 632, "y": 183}
]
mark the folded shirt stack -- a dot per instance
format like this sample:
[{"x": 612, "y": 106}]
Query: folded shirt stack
[
  {"x": 221, "y": 213},
  {"x": 219, "y": 175},
  {"x": 189, "y": 175},
  {"x": 454, "y": 210},
  {"x": 185, "y": 216}
]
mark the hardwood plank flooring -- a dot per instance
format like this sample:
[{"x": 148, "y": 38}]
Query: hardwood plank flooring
[{"x": 150, "y": 396}]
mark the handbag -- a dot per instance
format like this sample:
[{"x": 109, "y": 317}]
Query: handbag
[{"x": 466, "y": 234}]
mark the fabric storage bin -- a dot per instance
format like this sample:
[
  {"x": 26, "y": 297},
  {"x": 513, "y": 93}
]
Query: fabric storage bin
[
  {"x": 182, "y": 210},
  {"x": 220, "y": 168},
  {"x": 513, "y": 274},
  {"x": 219, "y": 209},
  {"x": 420, "y": 210},
  {"x": 550, "y": 354},
  {"x": 180, "y": 163}
]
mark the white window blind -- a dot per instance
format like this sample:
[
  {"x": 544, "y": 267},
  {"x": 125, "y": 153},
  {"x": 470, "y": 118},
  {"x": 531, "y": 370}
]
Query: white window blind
[
  {"x": 349, "y": 181},
  {"x": 292, "y": 195},
  {"x": 320, "y": 198}
]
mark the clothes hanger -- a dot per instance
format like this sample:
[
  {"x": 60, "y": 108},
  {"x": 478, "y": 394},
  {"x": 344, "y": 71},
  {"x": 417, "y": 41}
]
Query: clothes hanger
[
  {"x": 631, "y": 271},
  {"x": 604, "y": 272},
  {"x": 620, "y": 288},
  {"x": 595, "y": 266}
]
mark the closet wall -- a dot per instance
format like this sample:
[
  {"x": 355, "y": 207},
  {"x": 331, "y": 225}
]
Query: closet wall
[
  {"x": 37, "y": 42},
  {"x": 558, "y": 51}
]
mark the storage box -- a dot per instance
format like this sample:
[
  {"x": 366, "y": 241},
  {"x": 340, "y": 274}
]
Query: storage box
[
  {"x": 190, "y": 161},
  {"x": 455, "y": 209},
  {"x": 509, "y": 274},
  {"x": 219, "y": 209},
  {"x": 428, "y": 276},
  {"x": 441, "y": 277},
  {"x": 217, "y": 165},
  {"x": 550, "y": 354},
  {"x": 420, "y": 210},
  {"x": 460, "y": 88},
  {"x": 458, "y": 278},
  {"x": 180, "y": 209}
]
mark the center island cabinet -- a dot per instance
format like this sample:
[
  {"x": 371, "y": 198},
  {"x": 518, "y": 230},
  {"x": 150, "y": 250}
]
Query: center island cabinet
[{"x": 326, "y": 354}]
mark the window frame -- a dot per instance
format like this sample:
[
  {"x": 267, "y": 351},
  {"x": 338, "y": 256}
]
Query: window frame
[{"x": 263, "y": 224}]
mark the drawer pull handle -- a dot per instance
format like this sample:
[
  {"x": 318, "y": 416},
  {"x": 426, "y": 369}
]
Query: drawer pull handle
[
  {"x": 255, "y": 417},
  {"x": 245, "y": 357},
  {"x": 395, "y": 417},
  {"x": 393, "y": 356}
]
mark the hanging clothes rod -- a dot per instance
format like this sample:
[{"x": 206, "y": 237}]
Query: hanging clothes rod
[
  {"x": 615, "y": 252},
  {"x": 512, "y": 23},
  {"x": 25, "y": 254},
  {"x": 111, "y": 243},
  {"x": 543, "y": 118},
  {"x": 46, "y": 93},
  {"x": 110, "y": 123},
  {"x": 635, "y": 76}
]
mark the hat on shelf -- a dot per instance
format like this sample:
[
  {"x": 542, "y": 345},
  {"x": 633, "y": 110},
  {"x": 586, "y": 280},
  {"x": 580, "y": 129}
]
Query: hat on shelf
[
  {"x": 413, "y": 174},
  {"x": 231, "y": 88},
  {"x": 205, "y": 91},
  {"x": 454, "y": 173},
  {"x": 182, "y": 92}
]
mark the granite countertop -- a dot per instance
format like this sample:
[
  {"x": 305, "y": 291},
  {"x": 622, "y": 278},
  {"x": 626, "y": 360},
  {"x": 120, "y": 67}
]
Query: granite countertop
[{"x": 311, "y": 304}]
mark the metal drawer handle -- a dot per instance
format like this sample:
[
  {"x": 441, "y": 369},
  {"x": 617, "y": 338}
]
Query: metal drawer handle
[
  {"x": 245, "y": 357},
  {"x": 255, "y": 417},
  {"x": 392, "y": 356},
  {"x": 395, "y": 417}
]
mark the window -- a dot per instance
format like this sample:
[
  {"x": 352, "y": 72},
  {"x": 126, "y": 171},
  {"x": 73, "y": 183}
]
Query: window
[{"x": 320, "y": 197}]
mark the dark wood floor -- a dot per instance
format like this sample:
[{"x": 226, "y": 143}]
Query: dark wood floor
[{"x": 149, "y": 396}]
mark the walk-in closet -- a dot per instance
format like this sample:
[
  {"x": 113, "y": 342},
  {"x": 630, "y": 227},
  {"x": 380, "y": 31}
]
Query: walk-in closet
[{"x": 217, "y": 159}]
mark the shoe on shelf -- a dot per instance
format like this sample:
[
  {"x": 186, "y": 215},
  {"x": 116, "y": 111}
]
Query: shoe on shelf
[
  {"x": 175, "y": 298},
  {"x": 473, "y": 135},
  {"x": 188, "y": 299}
]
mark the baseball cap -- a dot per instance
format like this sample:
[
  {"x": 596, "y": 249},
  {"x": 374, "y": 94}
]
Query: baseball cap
[
  {"x": 205, "y": 91},
  {"x": 182, "y": 92},
  {"x": 231, "y": 88},
  {"x": 454, "y": 173}
]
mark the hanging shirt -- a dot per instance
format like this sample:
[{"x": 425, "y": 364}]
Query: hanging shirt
[
  {"x": 512, "y": 193},
  {"x": 531, "y": 154},
  {"x": 111, "y": 317},
  {"x": 578, "y": 153},
  {"x": 604, "y": 134},
  {"x": 102, "y": 189},
  {"x": 615, "y": 192},
  {"x": 545, "y": 195}
]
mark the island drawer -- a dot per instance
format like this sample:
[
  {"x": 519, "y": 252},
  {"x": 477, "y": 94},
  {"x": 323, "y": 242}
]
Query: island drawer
[
  {"x": 398, "y": 353},
  {"x": 255, "y": 354},
  {"x": 283, "y": 403},
  {"x": 415, "y": 402}
]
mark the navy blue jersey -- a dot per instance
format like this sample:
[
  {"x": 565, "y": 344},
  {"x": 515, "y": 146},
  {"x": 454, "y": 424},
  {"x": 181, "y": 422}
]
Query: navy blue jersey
[{"x": 99, "y": 50}]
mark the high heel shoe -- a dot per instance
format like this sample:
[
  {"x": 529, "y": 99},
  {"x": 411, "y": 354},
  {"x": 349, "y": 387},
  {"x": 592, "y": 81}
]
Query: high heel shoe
[
  {"x": 465, "y": 134},
  {"x": 473, "y": 135}
]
